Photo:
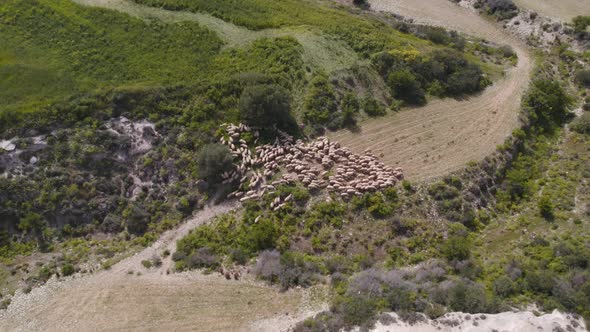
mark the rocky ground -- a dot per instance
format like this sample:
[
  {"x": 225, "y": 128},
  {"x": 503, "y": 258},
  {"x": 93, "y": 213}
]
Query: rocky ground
[{"x": 521, "y": 321}]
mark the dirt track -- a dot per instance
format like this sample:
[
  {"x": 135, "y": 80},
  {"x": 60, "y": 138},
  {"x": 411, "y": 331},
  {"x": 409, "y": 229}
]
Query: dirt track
[
  {"x": 443, "y": 136},
  {"x": 154, "y": 300}
]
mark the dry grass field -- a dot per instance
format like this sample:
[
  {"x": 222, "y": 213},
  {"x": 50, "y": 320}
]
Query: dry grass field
[
  {"x": 443, "y": 136},
  {"x": 563, "y": 10}
]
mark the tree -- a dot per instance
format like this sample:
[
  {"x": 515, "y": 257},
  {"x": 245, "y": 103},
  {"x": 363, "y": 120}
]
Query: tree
[
  {"x": 458, "y": 245},
  {"x": 267, "y": 105},
  {"x": 350, "y": 108},
  {"x": 546, "y": 207},
  {"x": 320, "y": 104},
  {"x": 582, "y": 124},
  {"x": 213, "y": 160},
  {"x": 405, "y": 86},
  {"x": 372, "y": 107},
  {"x": 549, "y": 102},
  {"x": 137, "y": 219},
  {"x": 360, "y": 3},
  {"x": 583, "y": 77}
]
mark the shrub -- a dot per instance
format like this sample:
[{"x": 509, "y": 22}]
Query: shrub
[
  {"x": 548, "y": 102},
  {"x": 583, "y": 77},
  {"x": 582, "y": 124},
  {"x": 466, "y": 296},
  {"x": 146, "y": 263},
  {"x": 350, "y": 108},
  {"x": 266, "y": 106},
  {"x": 546, "y": 207},
  {"x": 320, "y": 104},
  {"x": 360, "y": 3},
  {"x": 502, "y": 9},
  {"x": 372, "y": 107},
  {"x": 67, "y": 270},
  {"x": 239, "y": 256},
  {"x": 405, "y": 86},
  {"x": 507, "y": 51},
  {"x": 458, "y": 244},
  {"x": 356, "y": 310},
  {"x": 203, "y": 258},
  {"x": 581, "y": 23},
  {"x": 137, "y": 219},
  {"x": 268, "y": 265},
  {"x": 503, "y": 286},
  {"x": 213, "y": 160}
]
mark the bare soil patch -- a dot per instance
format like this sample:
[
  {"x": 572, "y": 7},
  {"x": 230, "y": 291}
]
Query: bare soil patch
[{"x": 441, "y": 137}]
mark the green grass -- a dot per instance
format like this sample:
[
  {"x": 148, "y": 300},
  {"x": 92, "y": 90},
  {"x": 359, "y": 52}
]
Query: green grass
[
  {"x": 52, "y": 49},
  {"x": 362, "y": 33}
]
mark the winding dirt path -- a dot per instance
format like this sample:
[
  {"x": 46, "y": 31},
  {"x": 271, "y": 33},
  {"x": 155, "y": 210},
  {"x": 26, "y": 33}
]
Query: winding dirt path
[
  {"x": 441, "y": 137},
  {"x": 116, "y": 299}
]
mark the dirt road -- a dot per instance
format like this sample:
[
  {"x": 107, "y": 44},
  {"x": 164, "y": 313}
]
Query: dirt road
[
  {"x": 120, "y": 299},
  {"x": 443, "y": 136}
]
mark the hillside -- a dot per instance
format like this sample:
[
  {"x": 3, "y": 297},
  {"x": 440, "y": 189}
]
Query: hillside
[{"x": 305, "y": 165}]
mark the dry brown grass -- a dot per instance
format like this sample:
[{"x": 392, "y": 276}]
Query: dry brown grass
[
  {"x": 186, "y": 302},
  {"x": 562, "y": 10},
  {"x": 443, "y": 136}
]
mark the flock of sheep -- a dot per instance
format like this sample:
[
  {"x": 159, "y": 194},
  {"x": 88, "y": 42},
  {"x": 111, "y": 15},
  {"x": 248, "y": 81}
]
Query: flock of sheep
[{"x": 318, "y": 165}]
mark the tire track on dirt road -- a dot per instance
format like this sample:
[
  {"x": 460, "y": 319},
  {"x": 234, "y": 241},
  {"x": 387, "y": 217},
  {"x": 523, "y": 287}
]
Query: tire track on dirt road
[{"x": 441, "y": 137}]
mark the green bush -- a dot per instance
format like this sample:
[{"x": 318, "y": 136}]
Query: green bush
[
  {"x": 581, "y": 23},
  {"x": 67, "y": 270},
  {"x": 581, "y": 124},
  {"x": 466, "y": 296},
  {"x": 583, "y": 77},
  {"x": 265, "y": 106},
  {"x": 350, "y": 108},
  {"x": 372, "y": 107},
  {"x": 546, "y": 207},
  {"x": 405, "y": 86},
  {"x": 320, "y": 104},
  {"x": 213, "y": 160},
  {"x": 548, "y": 103},
  {"x": 458, "y": 245}
]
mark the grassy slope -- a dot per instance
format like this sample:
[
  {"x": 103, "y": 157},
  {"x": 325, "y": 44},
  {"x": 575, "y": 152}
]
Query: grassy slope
[
  {"x": 56, "y": 48},
  {"x": 564, "y": 177}
]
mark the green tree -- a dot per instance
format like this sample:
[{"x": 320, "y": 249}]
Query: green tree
[
  {"x": 405, "y": 86},
  {"x": 372, "y": 107},
  {"x": 546, "y": 207},
  {"x": 267, "y": 105},
  {"x": 320, "y": 103},
  {"x": 350, "y": 108},
  {"x": 582, "y": 124},
  {"x": 458, "y": 244},
  {"x": 213, "y": 160},
  {"x": 549, "y": 102}
]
